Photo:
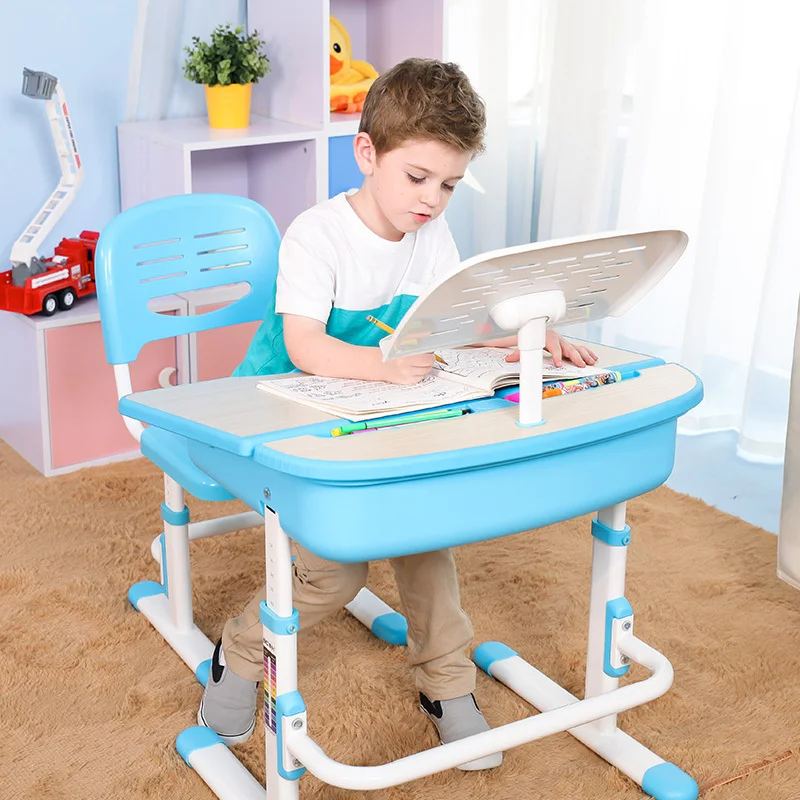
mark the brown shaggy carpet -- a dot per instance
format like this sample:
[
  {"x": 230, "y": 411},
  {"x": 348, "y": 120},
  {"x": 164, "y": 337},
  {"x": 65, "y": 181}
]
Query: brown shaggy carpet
[{"x": 91, "y": 699}]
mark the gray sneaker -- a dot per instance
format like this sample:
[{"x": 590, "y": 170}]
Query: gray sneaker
[
  {"x": 457, "y": 719},
  {"x": 229, "y": 703}
]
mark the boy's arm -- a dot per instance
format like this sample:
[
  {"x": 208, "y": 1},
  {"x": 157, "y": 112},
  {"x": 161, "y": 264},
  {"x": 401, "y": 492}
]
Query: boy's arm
[{"x": 312, "y": 350}]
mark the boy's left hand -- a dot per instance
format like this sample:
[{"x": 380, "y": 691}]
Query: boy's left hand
[{"x": 560, "y": 349}]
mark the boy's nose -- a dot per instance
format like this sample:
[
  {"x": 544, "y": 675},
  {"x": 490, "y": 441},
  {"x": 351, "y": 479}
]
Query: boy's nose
[{"x": 431, "y": 196}]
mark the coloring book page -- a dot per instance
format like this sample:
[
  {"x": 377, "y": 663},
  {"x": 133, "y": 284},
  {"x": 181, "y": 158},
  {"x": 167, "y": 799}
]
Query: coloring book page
[
  {"x": 357, "y": 400},
  {"x": 470, "y": 373},
  {"x": 487, "y": 368}
]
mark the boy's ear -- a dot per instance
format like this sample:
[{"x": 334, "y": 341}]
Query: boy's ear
[{"x": 364, "y": 151}]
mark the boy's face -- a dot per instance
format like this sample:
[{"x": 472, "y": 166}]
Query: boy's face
[{"x": 408, "y": 186}]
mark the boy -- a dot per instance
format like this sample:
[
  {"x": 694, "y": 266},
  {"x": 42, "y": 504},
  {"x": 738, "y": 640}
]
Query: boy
[{"x": 372, "y": 252}]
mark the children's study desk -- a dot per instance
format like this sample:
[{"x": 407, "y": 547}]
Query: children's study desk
[{"x": 594, "y": 450}]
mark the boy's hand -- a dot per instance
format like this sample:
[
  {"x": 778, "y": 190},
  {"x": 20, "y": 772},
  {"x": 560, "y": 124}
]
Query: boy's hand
[
  {"x": 561, "y": 349},
  {"x": 408, "y": 370}
]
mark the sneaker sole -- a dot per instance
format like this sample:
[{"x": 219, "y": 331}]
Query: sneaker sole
[
  {"x": 237, "y": 738},
  {"x": 487, "y": 762}
]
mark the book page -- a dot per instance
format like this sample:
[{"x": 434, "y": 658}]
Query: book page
[
  {"x": 567, "y": 370},
  {"x": 481, "y": 367},
  {"x": 357, "y": 400},
  {"x": 486, "y": 368}
]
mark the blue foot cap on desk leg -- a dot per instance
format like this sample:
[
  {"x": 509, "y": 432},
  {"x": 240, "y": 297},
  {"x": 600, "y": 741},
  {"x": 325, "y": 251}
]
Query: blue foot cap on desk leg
[
  {"x": 392, "y": 628},
  {"x": 487, "y": 653},
  {"x": 668, "y": 782},
  {"x": 143, "y": 589},
  {"x": 195, "y": 738}
]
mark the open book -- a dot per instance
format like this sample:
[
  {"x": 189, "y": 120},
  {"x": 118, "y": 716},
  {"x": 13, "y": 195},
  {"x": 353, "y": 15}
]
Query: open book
[{"x": 470, "y": 374}]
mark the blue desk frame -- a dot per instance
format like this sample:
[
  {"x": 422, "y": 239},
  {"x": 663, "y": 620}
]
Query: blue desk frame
[{"x": 327, "y": 504}]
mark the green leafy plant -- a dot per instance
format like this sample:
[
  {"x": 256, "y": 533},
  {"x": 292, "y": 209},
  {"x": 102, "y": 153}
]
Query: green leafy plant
[{"x": 230, "y": 57}]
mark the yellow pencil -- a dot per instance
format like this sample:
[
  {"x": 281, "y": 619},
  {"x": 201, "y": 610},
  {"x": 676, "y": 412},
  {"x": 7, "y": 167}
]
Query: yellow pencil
[{"x": 384, "y": 327}]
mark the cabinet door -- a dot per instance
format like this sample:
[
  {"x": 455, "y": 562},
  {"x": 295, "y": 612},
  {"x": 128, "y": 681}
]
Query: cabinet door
[
  {"x": 85, "y": 424},
  {"x": 218, "y": 352}
]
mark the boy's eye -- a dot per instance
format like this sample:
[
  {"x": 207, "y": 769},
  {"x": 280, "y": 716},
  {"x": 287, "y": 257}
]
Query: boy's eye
[{"x": 448, "y": 187}]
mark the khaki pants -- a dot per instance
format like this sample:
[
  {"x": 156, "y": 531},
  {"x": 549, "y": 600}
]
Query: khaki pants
[{"x": 438, "y": 630}]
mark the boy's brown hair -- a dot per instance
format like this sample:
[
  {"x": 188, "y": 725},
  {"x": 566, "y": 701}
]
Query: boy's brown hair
[{"x": 424, "y": 99}]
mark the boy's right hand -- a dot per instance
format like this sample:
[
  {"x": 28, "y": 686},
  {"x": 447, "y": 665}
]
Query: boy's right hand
[{"x": 408, "y": 370}]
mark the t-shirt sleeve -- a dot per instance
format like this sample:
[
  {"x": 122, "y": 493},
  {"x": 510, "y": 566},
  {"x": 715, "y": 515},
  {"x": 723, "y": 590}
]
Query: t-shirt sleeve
[
  {"x": 306, "y": 274},
  {"x": 447, "y": 257}
]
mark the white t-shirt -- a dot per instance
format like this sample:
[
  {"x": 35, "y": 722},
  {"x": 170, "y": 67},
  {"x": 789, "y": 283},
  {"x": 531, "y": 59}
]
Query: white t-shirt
[
  {"x": 334, "y": 269},
  {"x": 329, "y": 259}
]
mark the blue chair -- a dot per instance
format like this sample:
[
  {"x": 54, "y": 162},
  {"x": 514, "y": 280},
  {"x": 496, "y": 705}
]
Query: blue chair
[{"x": 160, "y": 248}]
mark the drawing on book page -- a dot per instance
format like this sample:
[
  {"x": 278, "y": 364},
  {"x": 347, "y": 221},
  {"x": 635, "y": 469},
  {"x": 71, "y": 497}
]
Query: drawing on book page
[
  {"x": 477, "y": 363},
  {"x": 487, "y": 366},
  {"x": 366, "y": 396}
]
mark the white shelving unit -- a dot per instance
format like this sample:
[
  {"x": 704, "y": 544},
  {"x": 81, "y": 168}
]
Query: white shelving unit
[
  {"x": 273, "y": 162},
  {"x": 58, "y": 399},
  {"x": 294, "y": 154}
]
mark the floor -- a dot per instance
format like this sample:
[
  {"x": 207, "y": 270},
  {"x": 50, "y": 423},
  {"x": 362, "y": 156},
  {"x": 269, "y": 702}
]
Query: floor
[{"x": 707, "y": 467}]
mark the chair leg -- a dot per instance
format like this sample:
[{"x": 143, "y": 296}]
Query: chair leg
[
  {"x": 168, "y": 604},
  {"x": 176, "y": 572},
  {"x": 386, "y": 623},
  {"x": 212, "y": 527}
]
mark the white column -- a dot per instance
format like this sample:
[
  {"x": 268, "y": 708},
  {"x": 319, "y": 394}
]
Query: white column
[{"x": 530, "y": 341}]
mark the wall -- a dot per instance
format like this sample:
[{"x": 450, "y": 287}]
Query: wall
[{"x": 86, "y": 45}]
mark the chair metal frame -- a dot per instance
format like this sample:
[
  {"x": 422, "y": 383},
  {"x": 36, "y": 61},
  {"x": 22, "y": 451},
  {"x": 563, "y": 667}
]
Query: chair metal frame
[{"x": 156, "y": 249}]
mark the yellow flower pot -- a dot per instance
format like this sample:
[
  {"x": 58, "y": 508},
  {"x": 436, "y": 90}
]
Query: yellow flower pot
[{"x": 229, "y": 106}]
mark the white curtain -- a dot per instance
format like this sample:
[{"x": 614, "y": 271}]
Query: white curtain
[
  {"x": 639, "y": 114},
  {"x": 156, "y": 86}
]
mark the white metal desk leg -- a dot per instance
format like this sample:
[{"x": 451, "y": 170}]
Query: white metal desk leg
[
  {"x": 202, "y": 749},
  {"x": 283, "y": 704},
  {"x": 609, "y": 556}
]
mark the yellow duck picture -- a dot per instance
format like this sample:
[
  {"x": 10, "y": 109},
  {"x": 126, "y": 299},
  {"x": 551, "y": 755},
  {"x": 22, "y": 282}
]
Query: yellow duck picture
[{"x": 350, "y": 79}]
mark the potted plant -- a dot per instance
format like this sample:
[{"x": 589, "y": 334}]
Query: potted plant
[{"x": 228, "y": 66}]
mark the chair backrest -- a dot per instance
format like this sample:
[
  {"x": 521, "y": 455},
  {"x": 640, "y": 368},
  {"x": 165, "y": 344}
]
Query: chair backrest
[{"x": 177, "y": 244}]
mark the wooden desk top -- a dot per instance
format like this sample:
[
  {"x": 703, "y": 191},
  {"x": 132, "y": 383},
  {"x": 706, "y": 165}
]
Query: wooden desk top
[
  {"x": 233, "y": 414},
  {"x": 655, "y": 385}
]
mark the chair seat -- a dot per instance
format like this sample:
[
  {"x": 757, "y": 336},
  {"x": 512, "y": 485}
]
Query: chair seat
[{"x": 169, "y": 452}]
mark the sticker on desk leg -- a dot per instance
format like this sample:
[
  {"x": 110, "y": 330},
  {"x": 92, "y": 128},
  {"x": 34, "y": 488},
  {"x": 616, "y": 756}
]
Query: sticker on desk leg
[{"x": 270, "y": 688}]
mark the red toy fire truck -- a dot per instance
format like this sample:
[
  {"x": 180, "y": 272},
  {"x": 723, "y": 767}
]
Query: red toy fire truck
[{"x": 34, "y": 284}]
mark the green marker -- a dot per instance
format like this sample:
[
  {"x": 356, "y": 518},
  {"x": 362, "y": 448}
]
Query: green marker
[{"x": 406, "y": 420}]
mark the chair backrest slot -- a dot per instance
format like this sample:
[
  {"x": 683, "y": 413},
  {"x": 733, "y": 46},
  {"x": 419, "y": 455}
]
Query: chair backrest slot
[
  {"x": 225, "y": 266},
  {"x": 162, "y": 277},
  {"x": 222, "y": 249},
  {"x": 155, "y": 244},
  {"x": 218, "y": 233},
  {"x": 158, "y": 260}
]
